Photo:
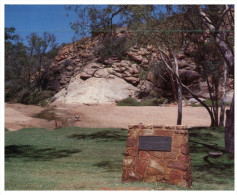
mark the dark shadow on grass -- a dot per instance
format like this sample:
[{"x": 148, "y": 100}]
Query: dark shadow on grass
[
  {"x": 202, "y": 139},
  {"x": 106, "y": 135},
  {"x": 110, "y": 166},
  {"x": 218, "y": 171},
  {"x": 205, "y": 168},
  {"x": 30, "y": 153},
  {"x": 204, "y": 147}
]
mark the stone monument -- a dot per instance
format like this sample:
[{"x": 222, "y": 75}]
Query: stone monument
[{"x": 157, "y": 154}]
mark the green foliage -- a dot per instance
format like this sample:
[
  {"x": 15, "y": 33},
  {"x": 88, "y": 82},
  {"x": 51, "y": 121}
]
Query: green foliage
[
  {"x": 113, "y": 46},
  {"x": 154, "y": 101},
  {"x": 109, "y": 29},
  {"x": 10, "y": 34},
  {"x": 92, "y": 159},
  {"x": 26, "y": 67},
  {"x": 27, "y": 96},
  {"x": 142, "y": 74},
  {"x": 209, "y": 103},
  {"x": 11, "y": 91},
  {"x": 128, "y": 102},
  {"x": 146, "y": 102}
]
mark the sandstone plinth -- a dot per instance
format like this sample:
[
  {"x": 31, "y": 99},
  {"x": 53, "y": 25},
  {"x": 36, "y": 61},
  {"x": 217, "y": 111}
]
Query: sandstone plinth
[{"x": 171, "y": 167}]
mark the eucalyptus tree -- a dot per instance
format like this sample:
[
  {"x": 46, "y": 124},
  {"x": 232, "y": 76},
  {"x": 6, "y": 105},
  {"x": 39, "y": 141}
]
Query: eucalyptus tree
[
  {"x": 143, "y": 21},
  {"x": 223, "y": 31},
  {"x": 15, "y": 60},
  {"x": 152, "y": 24},
  {"x": 38, "y": 48},
  {"x": 219, "y": 23}
]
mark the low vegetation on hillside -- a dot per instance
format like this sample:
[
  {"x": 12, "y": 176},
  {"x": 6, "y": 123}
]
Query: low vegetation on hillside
[{"x": 146, "y": 102}]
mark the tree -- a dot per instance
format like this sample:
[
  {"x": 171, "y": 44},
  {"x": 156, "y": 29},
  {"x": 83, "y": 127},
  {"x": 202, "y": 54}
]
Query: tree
[
  {"x": 150, "y": 20},
  {"x": 15, "y": 58},
  {"x": 38, "y": 47},
  {"x": 146, "y": 23},
  {"x": 94, "y": 19},
  {"x": 226, "y": 48},
  {"x": 26, "y": 67},
  {"x": 146, "y": 26},
  {"x": 223, "y": 99}
]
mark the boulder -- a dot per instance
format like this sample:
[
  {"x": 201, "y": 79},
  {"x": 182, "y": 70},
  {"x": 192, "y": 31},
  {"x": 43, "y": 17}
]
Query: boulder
[
  {"x": 69, "y": 68},
  {"x": 95, "y": 91},
  {"x": 110, "y": 61},
  {"x": 136, "y": 57},
  {"x": 89, "y": 70},
  {"x": 85, "y": 76},
  {"x": 146, "y": 86},
  {"x": 132, "y": 80},
  {"x": 229, "y": 96},
  {"x": 60, "y": 57},
  {"x": 145, "y": 61},
  {"x": 188, "y": 75},
  {"x": 149, "y": 47},
  {"x": 125, "y": 63},
  {"x": 101, "y": 73},
  {"x": 156, "y": 80},
  {"x": 183, "y": 63},
  {"x": 78, "y": 64},
  {"x": 194, "y": 101}
]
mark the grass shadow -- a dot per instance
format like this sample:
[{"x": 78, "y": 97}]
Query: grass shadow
[
  {"x": 110, "y": 166},
  {"x": 207, "y": 169},
  {"x": 213, "y": 170},
  {"x": 195, "y": 147},
  {"x": 204, "y": 139},
  {"x": 106, "y": 135},
  {"x": 30, "y": 153}
]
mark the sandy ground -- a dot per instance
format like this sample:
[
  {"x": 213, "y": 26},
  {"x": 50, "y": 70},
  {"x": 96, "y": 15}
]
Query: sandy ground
[{"x": 18, "y": 116}]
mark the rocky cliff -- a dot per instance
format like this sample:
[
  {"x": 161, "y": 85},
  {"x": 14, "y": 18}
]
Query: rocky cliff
[{"x": 80, "y": 76}]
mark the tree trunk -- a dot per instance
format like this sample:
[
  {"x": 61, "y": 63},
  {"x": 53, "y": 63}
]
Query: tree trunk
[
  {"x": 216, "y": 102},
  {"x": 185, "y": 87},
  {"x": 179, "y": 90},
  {"x": 223, "y": 100},
  {"x": 229, "y": 58},
  {"x": 179, "y": 119},
  {"x": 229, "y": 129},
  {"x": 203, "y": 104},
  {"x": 211, "y": 97},
  {"x": 226, "y": 52},
  {"x": 220, "y": 41},
  {"x": 173, "y": 85}
]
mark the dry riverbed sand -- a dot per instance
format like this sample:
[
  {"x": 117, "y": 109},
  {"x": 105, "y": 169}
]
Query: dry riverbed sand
[{"x": 19, "y": 116}]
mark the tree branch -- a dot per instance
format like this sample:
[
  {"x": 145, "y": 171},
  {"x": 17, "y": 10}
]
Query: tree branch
[
  {"x": 184, "y": 86},
  {"x": 223, "y": 47}
]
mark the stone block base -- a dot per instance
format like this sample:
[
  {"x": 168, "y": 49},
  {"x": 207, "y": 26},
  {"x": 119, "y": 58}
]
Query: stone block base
[{"x": 172, "y": 167}]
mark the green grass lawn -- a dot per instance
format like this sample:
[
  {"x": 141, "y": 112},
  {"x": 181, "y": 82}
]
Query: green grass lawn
[{"x": 92, "y": 159}]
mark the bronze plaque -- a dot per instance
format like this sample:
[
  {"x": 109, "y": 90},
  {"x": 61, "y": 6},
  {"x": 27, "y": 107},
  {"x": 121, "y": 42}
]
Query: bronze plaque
[{"x": 155, "y": 143}]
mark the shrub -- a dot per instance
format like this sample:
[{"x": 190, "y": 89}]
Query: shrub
[
  {"x": 209, "y": 103},
  {"x": 11, "y": 91},
  {"x": 129, "y": 102},
  {"x": 113, "y": 46},
  {"x": 142, "y": 74},
  {"x": 154, "y": 102},
  {"x": 148, "y": 102},
  {"x": 27, "y": 96},
  {"x": 42, "y": 98}
]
